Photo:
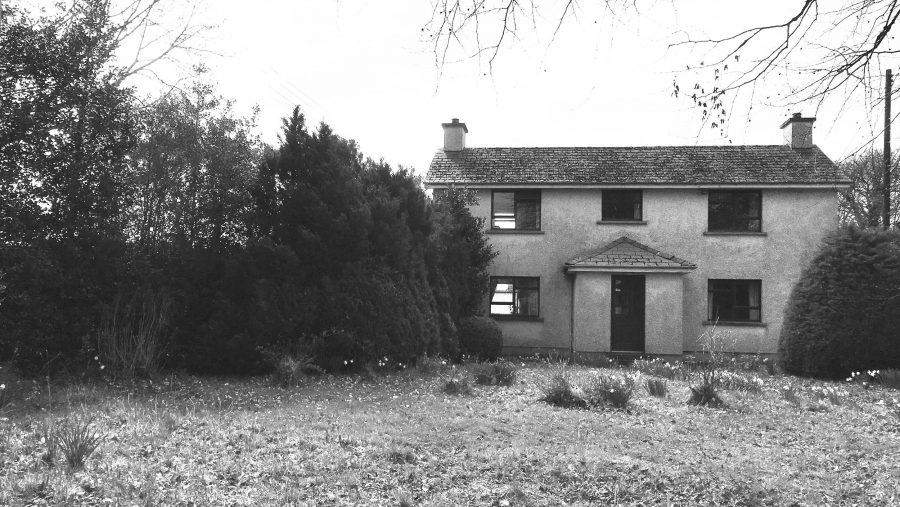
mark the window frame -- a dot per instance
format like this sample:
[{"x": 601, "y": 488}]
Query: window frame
[
  {"x": 516, "y": 200},
  {"x": 604, "y": 199},
  {"x": 732, "y": 290},
  {"x": 515, "y": 316},
  {"x": 733, "y": 216}
]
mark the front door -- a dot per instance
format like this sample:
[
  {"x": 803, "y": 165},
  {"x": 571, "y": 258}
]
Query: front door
[{"x": 627, "y": 324}]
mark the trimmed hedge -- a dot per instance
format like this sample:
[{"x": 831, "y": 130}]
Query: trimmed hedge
[
  {"x": 844, "y": 313},
  {"x": 480, "y": 337}
]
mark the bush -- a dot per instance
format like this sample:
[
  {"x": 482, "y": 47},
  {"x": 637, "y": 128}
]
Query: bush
[
  {"x": 499, "y": 373},
  {"x": 480, "y": 337},
  {"x": 612, "y": 390},
  {"x": 558, "y": 389},
  {"x": 844, "y": 312}
]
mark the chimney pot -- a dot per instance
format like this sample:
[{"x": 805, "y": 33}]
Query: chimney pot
[
  {"x": 798, "y": 131},
  {"x": 454, "y": 135}
]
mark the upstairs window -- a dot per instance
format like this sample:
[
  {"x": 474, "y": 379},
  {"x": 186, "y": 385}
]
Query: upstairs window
[
  {"x": 735, "y": 211},
  {"x": 515, "y": 296},
  {"x": 622, "y": 205},
  {"x": 516, "y": 210},
  {"x": 735, "y": 300}
]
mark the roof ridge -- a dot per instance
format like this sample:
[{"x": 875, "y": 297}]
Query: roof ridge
[
  {"x": 630, "y": 147},
  {"x": 773, "y": 164}
]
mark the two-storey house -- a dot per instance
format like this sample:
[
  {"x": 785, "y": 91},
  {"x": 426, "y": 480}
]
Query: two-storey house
[{"x": 640, "y": 249}]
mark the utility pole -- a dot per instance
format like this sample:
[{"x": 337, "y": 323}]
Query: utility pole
[{"x": 886, "y": 210}]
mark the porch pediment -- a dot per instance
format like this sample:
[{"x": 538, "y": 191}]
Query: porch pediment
[{"x": 626, "y": 254}]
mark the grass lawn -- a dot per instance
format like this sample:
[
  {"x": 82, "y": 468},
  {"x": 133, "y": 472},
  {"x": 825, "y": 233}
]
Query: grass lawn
[{"x": 399, "y": 440}]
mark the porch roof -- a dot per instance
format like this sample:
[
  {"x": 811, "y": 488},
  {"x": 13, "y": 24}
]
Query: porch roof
[{"x": 628, "y": 255}]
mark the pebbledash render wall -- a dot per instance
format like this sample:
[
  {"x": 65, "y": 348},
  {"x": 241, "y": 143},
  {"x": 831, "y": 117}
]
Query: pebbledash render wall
[{"x": 794, "y": 220}]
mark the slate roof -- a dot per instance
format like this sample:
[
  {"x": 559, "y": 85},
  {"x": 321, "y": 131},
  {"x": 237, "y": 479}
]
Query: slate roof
[
  {"x": 653, "y": 165},
  {"x": 628, "y": 253}
]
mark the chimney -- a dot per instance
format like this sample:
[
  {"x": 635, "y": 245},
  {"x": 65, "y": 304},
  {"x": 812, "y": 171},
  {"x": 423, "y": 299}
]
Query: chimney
[
  {"x": 454, "y": 135},
  {"x": 799, "y": 135}
]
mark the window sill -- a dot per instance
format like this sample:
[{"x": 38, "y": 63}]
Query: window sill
[
  {"x": 621, "y": 222},
  {"x": 512, "y": 231},
  {"x": 734, "y": 233},
  {"x": 734, "y": 323},
  {"x": 519, "y": 318}
]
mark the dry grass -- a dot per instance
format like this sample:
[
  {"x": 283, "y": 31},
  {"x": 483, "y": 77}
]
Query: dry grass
[{"x": 400, "y": 441}]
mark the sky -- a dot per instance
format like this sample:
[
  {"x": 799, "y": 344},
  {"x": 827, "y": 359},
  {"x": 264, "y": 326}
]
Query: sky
[{"x": 366, "y": 68}]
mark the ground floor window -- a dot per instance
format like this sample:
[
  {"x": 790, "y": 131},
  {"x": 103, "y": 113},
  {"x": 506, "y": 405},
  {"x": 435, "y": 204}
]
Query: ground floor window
[
  {"x": 515, "y": 296},
  {"x": 735, "y": 300}
]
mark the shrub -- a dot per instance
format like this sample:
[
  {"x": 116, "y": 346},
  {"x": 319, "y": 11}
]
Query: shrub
[
  {"x": 77, "y": 441},
  {"x": 656, "y": 387},
  {"x": 844, "y": 312},
  {"x": 480, "y": 337},
  {"x": 457, "y": 386},
  {"x": 557, "y": 390},
  {"x": 611, "y": 390},
  {"x": 706, "y": 391},
  {"x": 500, "y": 373}
]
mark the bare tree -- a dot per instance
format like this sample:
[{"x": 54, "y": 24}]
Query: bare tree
[
  {"x": 150, "y": 32},
  {"x": 481, "y": 29},
  {"x": 810, "y": 55},
  {"x": 861, "y": 203},
  {"x": 137, "y": 35}
]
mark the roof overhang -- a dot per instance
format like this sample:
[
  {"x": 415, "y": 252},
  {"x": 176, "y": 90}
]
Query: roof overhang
[
  {"x": 626, "y": 269},
  {"x": 832, "y": 185}
]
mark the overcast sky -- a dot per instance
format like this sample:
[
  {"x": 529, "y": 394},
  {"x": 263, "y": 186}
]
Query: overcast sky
[{"x": 366, "y": 68}]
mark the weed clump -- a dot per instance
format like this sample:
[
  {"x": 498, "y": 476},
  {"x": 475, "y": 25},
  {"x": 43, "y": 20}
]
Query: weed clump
[
  {"x": 401, "y": 455},
  {"x": 76, "y": 441},
  {"x": 658, "y": 388},
  {"x": 738, "y": 382},
  {"x": 889, "y": 378},
  {"x": 431, "y": 365},
  {"x": 706, "y": 391},
  {"x": 789, "y": 394},
  {"x": 499, "y": 373},
  {"x": 612, "y": 390},
  {"x": 457, "y": 386},
  {"x": 829, "y": 394},
  {"x": 659, "y": 367},
  {"x": 558, "y": 389}
]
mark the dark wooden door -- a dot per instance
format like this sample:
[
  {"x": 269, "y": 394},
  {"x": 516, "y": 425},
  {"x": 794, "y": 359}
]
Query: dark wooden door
[{"x": 627, "y": 324}]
